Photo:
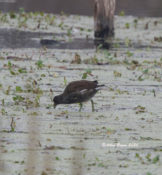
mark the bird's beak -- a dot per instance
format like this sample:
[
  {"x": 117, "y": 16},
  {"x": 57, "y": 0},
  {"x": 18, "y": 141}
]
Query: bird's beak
[{"x": 54, "y": 105}]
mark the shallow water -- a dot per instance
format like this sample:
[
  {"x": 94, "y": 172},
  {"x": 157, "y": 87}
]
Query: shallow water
[{"x": 35, "y": 138}]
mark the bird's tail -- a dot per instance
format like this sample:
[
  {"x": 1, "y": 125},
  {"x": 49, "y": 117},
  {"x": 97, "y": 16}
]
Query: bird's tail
[{"x": 99, "y": 86}]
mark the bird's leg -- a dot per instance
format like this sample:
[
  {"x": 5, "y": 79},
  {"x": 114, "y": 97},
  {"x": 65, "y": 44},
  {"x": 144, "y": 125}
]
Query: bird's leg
[
  {"x": 93, "y": 109},
  {"x": 81, "y": 105}
]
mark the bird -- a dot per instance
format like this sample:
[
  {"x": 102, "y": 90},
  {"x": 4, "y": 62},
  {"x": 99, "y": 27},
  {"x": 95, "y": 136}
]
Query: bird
[{"x": 78, "y": 92}]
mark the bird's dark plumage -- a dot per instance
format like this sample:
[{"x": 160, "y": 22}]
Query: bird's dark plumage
[{"x": 77, "y": 92}]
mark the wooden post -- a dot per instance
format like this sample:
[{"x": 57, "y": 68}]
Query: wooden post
[{"x": 104, "y": 19}]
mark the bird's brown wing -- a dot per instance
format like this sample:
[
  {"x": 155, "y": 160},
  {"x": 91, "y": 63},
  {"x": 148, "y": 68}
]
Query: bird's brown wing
[{"x": 76, "y": 86}]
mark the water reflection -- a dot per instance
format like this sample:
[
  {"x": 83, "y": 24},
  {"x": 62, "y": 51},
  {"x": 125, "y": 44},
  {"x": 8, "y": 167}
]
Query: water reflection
[
  {"x": 13, "y": 38},
  {"x": 135, "y": 8}
]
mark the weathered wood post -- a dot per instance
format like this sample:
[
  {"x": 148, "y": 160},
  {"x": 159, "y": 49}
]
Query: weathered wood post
[{"x": 104, "y": 19}]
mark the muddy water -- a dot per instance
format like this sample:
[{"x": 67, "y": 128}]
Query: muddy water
[{"x": 121, "y": 137}]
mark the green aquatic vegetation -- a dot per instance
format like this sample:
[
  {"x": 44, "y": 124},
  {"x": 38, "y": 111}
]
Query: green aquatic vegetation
[
  {"x": 33, "y": 87},
  {"x": 10, "y": 65},
  {"x": 154, "y": 62},
  {"x": 57, "y": 158},
  {"x": 37, "y": 101},
  {"x": 128, "y": 42},
  {"x": 32, "y": 101},
  {"x": 129, "y": 54},
  {"x": 99, "y": 47},
  {"x": 128, "y": 129},
  {"x": 4, "y": 18},
  {"x": 89, "y": 30},
  {"x": 140, "y": 78},
  {"x": 50, "y": 19},
  {"x": 50, "y": 105},
  {"x": 43, "y": 75},
  {"x": 148, "y": 173},
  {"x": 117, "y": 91},
  {"x": 135, "y": 62},
  {"x": 139, "y": 158},
  {"x": 122, "y": 13},
  {"x": 110, "y": 131},
  {"x": 22, "y": 21},
  {"x": 149, "y": 74},
  {"x": 65, "y": 81},
  {"x": 22, "y": 70},
  {"x": 107, "y": 55},
  {"x": 12, "y": 72},
  {"x": 15, "y": 70},
  {"x": 145, "y": 71},
  {"x": 92, "y": 60},
  {"x": 21, "y": 10},
  {"x": 28, "y": 102},
  {"x": 39, "y": 64},
  {"x": 81, "y": 29},
  {"x": 69, "y": 32},
  {"x": 154, "y": 92},
  {"x": 77, "y": 59},
  {"x": 22, "y": 162},
  {"x": 156, "y": 159},
  {"x": 126, "y": 61},
  {"x": 3, "y": 102},
  {"x": 117, "y": 74},
  {"x": 12, "y": 15},
  {"x": 37, "y": 14},
  {"x": 127, "y": 25},
  {"x": 148, "y": 157},
  {"x": 101, "y": 165},
  {"x": 86, "y": 73},
  {"x": 37, "y": 90},
  {"x": 116, "y": 45},
  {"x": 40, "y": 13},
  {"x": 34, "y": 113},
  {"x": 92, "y": 164},
  {"x": 140, "y": 109},
  {"x": 7, "y": 92},
  {"x": 12, "y": 125},
  {"x": 61, "y": 25},
  {"x": 135, "y": 23},
  {"x": 123, "y": 166},
  {"x": 3, "y": 111},
  {"x": 133, "y": 65},
  {"x": 19, "y": 89},
  {"x": 18, "y": 99}
]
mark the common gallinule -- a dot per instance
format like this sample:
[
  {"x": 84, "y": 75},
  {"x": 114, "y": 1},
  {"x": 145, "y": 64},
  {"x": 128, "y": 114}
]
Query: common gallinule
[{"x": 78, "y": 92}]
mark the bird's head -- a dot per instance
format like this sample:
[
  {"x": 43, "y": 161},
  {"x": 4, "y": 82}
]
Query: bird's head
[{"x": 57, "y": 100}]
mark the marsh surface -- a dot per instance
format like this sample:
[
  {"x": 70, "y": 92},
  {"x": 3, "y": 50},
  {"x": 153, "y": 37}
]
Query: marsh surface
[{"x": 121, "y": 137}]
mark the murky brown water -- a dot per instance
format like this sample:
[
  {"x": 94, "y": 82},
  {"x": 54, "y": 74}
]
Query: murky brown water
[{"x": 135, "y": 8}]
